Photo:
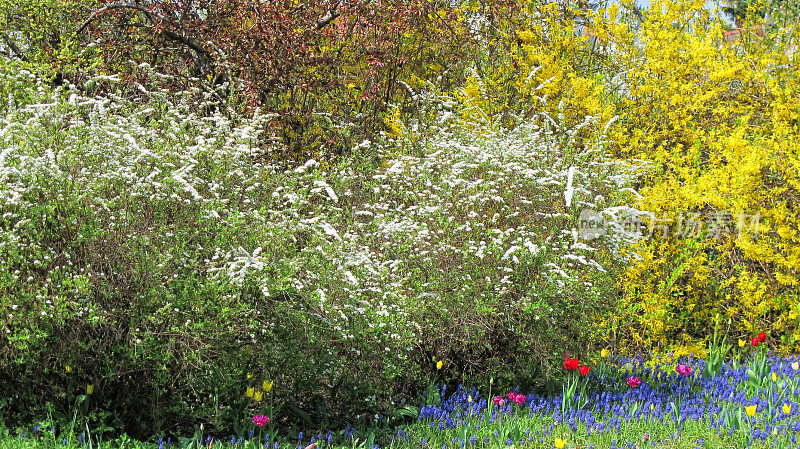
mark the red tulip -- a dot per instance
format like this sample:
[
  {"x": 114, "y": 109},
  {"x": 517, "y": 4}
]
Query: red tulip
[
  {"x": 584, "y": 370},
  {"x": 762, "y": 337},
  {"x": 754, "y": 341},
  {"x": 571, "y": 364}
]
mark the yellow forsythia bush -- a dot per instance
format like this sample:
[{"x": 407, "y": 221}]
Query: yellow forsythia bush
[
  {"x": 539, "y": 68},
  {"x": 720, "y": 122}
]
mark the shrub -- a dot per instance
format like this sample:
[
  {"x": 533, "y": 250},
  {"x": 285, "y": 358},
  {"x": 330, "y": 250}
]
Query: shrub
[
  {"x": 716, "y": 120},
  {"x": 146, "y": 248}
]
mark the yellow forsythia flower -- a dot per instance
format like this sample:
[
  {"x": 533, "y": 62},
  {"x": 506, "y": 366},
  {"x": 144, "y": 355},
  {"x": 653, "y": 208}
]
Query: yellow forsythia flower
[
  {"x": 787, "y": 409},
  {"x": 526, "y": 36},
  {"x": 89, "y": 389},
  {"x": 258, "y": 395},
  {"x": 249, "y": 375},
  {"x": 751, "y": 410},
  {"x": 774, "y": 377},
  {"x": 560, "y": 443},
  {"x": 267, "y": 386},
  {"x": 439, "y": 364},
  {"x": 250, "y": 391},
  {"x": 742, "y": 343},
  {"x": 796, "y": 366},
  {"x": 604, "y": 353},
  {"x": 68, "y": 369}
]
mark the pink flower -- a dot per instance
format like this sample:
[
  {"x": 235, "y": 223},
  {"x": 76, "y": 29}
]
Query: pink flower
[
  {"x": 499, "y": 400},
  {"x": 683, "y": 370},
  {"x": 260, "y": 420},
  {"x": 633, "y": 381},
  {"x": 517, "y": 398}
]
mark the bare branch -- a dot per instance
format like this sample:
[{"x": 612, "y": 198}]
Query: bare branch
[
  {"x": 120, "y": 5},
  {"x": 329, "y": 17},
  {"x": 152, "y": 18},
  {"x": 186, "y": 41},
  {"x": 13, "y": 46}
]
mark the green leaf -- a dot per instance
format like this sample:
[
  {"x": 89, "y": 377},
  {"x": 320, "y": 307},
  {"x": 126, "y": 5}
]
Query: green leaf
[
  {"x": 299, "y": 413},
  {"x": 370, "y": 440},
  {"x": 409, "y": 410}
]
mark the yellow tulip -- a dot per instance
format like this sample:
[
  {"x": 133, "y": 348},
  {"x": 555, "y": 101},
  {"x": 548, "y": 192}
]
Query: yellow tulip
[
  {"x": 249, "y": 375},
  {"x": 469, "y": 398},
  {"x": 796, "y": 366},
  {"x": 560, "y": 443},
  {"x": 774, "y": 377},
  {"x": 491, "y": 380},
  {"x": 89, "y": 389},
  {"x": 787, "y": 409},
  {"x": 68, "y": 369},
  {"x": 742, "y": 343},
  {"x": 258, "y": 395},
  {"x": 604, "y": 353},
  {"x": 439, "y": 364},
  {"x": 751, "y": 410},
  {"x": 250, "y": 392}
]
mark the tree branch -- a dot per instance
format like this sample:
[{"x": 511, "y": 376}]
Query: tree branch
[
  {"x": 186, "y": 41},
  {"x": 118, "y": 5},
  {"x": 152, "y": 18},
  {"x": 329, "y": 17},
  {"x": 13, "y": 46}
]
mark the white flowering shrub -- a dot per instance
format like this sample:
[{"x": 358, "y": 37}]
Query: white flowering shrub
[{"x": 147, "y": 247}]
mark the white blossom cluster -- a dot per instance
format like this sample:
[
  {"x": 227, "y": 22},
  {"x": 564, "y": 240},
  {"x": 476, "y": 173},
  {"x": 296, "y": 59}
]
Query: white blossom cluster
[{"x": 449, "y": 213}]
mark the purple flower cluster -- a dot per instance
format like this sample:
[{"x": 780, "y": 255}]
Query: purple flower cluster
[{"x": 674, "y": 394}]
